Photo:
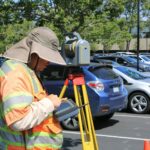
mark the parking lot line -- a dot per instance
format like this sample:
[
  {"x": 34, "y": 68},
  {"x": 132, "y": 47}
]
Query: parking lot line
[
  {"x": 122, "y": 137},
  {"x": 110, "y": 136},
  {"x": 132, "y": 116}
]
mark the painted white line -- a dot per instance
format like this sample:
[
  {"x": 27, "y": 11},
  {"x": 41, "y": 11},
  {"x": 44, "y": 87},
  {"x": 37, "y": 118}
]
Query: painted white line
[
  {"x": 122, "y": 137},
  {"x": 132, "y": 116},
  {"x": 111, "y": 136}
]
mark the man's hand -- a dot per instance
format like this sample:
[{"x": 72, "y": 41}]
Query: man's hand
[{"x": 55, "y": 100}]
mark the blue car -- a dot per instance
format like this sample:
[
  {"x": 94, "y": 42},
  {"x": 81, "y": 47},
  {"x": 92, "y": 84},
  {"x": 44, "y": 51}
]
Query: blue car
[
  {"x": 2, "y": 59},
  {"x": 105, "y": 89}
]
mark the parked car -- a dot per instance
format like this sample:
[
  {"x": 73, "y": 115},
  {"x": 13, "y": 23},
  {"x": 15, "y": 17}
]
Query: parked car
[
  {"x": 124, "y": 53},
  {"x": 105, "y": 62},
  {"x": 2, "y": 59},
  {"x": 142, "y": 58},
  {"x": 125, "y": 60},
  {"x": 138, "y": 86},
  {"x": 105, "y": 89},
  {"x": 145, "y": 54}
]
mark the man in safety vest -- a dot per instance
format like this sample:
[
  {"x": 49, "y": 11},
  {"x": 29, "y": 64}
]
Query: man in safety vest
[{"x": 26, "y": 111}]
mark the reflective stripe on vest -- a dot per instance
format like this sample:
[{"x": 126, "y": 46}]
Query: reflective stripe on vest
[
  {"x": 42, "y": 137},
  {"x": 16, "y": 101},
  {"x": 11, "y": 136},
  {"x": 44, "y": 140},
  {"x": 1, "y": 73},
  {"x": 7, "y": 67}
]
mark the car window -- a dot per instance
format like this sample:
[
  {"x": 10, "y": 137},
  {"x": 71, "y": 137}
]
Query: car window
[
  {"x": 131, "y": 60},
  {"x": 58, "y": 72},
  {"x": 145, "y": 58},
  {"x": 53, "y": 73},
  {"x": 148, "y": 57},
  {"x": 109, "y": 58},
  {"x": 112, "y": 58},
  {"x": 131, "y": 73},
  {"x": 121, "y": 61},
  {"x": 104, "y": 73},
  {"x": 2, "y": 59}
]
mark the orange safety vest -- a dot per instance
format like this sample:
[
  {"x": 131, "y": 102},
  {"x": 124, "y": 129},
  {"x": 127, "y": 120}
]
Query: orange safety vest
[{"x": 19, "y": 87}]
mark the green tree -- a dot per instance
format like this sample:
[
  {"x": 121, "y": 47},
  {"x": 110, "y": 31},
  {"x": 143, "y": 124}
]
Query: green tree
[
  {"x": 106, "y": 22},
  {"x": 12, "y": 33}
]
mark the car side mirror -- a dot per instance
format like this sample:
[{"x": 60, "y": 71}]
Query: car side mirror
[
  {"x": 125, "y": 82},
  {"x": 128, "y": 83}
]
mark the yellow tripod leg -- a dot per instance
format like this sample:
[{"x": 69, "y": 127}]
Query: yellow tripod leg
[
  {"x": 85, "y": 96},
  {"x": 64, "y": 88},
  {"x": 79, "y": 116},
  {"x": 82, "y": 112},
  {"x": 88, "y": 138},
  {"x": 87, "y": 131}
]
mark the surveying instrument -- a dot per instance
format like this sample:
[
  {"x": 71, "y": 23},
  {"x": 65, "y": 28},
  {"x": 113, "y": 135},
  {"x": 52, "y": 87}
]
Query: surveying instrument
[{"x": 76, "y": 53}]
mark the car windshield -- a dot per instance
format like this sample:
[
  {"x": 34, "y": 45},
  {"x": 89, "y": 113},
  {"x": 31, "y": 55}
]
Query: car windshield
[
  {"x": 131, "y": 60},
  {"x": 131, "y": 73},
  {"x": 105, "y": 73},
  {"x": 148, "y": 57},
  {"x": 145, "y": 58}
]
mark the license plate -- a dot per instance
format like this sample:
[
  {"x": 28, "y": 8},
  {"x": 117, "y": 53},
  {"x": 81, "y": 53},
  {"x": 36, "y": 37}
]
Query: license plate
[{"x": 115, "y": 89}]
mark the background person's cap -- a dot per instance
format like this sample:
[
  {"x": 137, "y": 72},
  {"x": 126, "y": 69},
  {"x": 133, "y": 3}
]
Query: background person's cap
[{"x": 46, "y": 44}]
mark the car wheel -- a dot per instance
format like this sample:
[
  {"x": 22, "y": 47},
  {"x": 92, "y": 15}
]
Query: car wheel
[
  {"x": 71, "y": 123},
  {"x": 139, "y": 103}
]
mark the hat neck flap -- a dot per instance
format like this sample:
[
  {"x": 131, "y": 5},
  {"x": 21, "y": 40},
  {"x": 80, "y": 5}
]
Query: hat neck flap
[{"x": 20, "y": 51}]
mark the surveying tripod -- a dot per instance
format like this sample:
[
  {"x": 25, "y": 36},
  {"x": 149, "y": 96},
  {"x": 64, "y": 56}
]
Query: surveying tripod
[{"x": 87, "y": 131}]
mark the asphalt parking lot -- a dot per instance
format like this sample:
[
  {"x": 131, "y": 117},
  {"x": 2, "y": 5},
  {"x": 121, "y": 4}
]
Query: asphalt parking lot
[{"x": 124, "y": 131}]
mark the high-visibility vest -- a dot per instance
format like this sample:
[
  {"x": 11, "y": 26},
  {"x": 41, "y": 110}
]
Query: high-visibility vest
[{"x": 19, "y": 87}]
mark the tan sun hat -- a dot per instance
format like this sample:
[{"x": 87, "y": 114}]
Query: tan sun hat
[{"x": 41, "y": 41}]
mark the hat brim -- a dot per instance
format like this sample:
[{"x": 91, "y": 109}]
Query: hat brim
[{"x": 47, "y": 54}]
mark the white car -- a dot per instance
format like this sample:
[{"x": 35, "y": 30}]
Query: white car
[{"x": 138, "y": 87}]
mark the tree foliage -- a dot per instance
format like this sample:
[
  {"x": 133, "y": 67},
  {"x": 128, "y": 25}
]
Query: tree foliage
[{"x": 99, "y": 21}]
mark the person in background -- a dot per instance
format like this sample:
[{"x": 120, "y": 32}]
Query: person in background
[{"x": 26, "y": 110}]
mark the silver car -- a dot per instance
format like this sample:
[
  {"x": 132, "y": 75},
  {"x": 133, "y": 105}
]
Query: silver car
[{"x": 138, "y": 87}]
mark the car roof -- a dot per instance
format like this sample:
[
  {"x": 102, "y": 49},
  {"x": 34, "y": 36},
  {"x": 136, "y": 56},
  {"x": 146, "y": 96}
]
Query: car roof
[{"x": 98, "y": 65}]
